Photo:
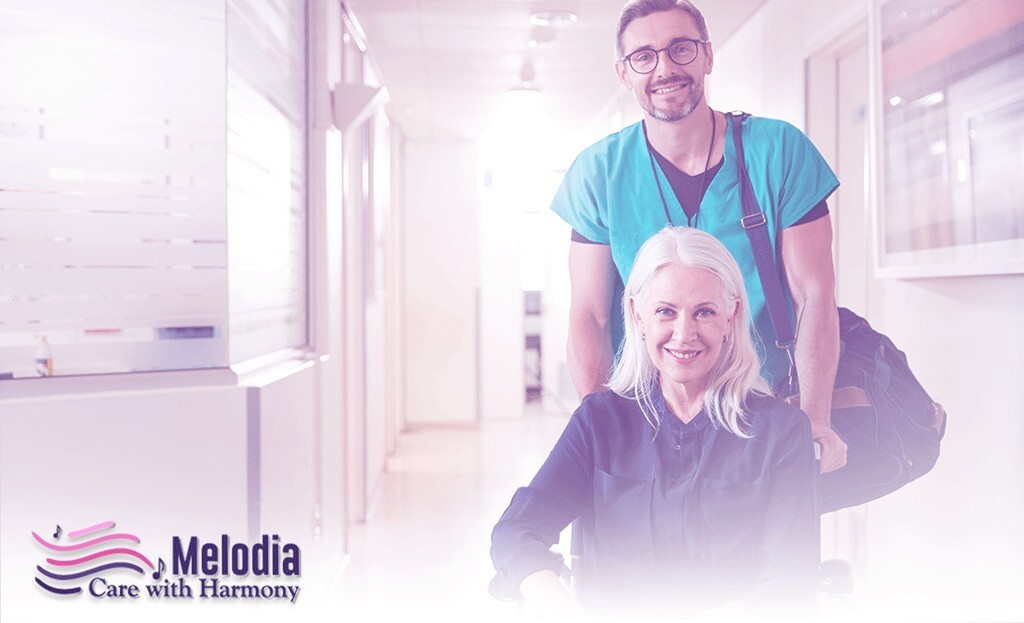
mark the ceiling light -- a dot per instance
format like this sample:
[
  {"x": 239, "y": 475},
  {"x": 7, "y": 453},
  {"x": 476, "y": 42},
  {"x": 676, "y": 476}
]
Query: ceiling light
[
  {"x": 520, "y": 105},
  {"x": 526, "y": 92},
  {"x": 552, "y": 18},
  {"x": 542, "y": 35}
]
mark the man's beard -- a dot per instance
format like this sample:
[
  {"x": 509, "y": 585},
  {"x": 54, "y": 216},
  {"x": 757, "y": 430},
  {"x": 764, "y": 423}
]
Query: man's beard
[{"x": 679, "y": 110}]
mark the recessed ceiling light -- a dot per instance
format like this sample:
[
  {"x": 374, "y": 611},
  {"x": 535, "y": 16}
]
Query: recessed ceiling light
[
  {"x": 525, "y": 90},
  {"x": 524, "y": 97},
  {"x": 552, "y": 18},
  {"x": 542, "y": 35}
]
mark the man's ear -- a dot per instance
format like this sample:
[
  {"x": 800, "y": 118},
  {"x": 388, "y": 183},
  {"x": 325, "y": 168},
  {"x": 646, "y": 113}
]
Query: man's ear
[
  {"x": 711, "y": 58},
  {"x": 621, "y": 70}
]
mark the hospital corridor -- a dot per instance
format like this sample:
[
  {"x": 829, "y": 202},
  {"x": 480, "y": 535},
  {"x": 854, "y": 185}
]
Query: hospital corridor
[{"x": 297, "y": 297}]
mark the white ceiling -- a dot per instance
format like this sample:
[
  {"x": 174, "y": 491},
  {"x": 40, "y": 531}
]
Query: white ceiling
[{"x": 446, "y": 63}]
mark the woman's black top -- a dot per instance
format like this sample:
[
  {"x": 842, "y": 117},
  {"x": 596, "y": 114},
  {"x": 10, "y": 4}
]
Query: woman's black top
[{"x": 690, "y": 518}]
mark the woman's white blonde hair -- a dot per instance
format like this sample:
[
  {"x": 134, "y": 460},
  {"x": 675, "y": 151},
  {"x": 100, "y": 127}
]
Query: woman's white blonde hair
[{"x": 738, "y": 372}]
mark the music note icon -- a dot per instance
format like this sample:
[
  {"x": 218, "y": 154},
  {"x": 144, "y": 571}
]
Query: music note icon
[
  {"x": 160, "y": 571},
  {"x": 56, "y": 534}
]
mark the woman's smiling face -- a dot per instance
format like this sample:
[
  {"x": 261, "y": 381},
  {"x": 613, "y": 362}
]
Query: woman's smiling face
[{"x": 685, "y": 317}]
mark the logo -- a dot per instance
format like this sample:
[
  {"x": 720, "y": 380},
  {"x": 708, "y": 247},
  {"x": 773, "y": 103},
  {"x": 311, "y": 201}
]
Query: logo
[
  {"x": 109, "y": 566},
  {"x": 68, "y": 573}
]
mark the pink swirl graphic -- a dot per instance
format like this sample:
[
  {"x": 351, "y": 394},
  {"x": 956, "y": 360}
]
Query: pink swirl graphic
[
  {"x": 77, "y": 546},
  {"x": 84, "y": 531},
  {"x": 107, "y": 552}
]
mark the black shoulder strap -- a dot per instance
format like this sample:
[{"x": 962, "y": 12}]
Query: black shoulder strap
[{"x": 755, "y": 224}]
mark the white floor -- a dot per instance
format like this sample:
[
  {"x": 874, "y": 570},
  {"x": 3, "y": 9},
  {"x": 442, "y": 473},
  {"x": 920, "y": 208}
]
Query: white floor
[{"x": 423, "y": 552}]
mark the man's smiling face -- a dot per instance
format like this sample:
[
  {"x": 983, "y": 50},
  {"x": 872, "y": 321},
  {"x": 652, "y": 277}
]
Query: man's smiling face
[{"x": 671, "y": 92}]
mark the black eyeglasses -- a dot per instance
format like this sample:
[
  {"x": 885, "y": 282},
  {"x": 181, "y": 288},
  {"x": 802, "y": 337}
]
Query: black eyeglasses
[{"x": 682, "y": 52}]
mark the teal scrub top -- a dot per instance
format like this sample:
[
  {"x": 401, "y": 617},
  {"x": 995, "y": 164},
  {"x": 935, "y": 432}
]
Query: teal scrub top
[{"x": 609, "y": 195}]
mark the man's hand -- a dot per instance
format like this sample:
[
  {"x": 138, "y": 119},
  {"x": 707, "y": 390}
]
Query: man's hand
[{"x": 833, "y": 448}]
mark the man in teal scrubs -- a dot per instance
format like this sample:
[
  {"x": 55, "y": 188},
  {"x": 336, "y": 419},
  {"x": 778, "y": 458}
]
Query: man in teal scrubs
[{"x": 678, "y": 166}]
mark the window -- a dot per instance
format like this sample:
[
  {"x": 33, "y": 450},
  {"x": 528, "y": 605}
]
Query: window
[
  {"x": 144, "y": 225},
  {"x": 112, "y": 225}
]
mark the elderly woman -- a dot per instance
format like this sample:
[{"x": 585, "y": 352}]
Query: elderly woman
[{"x": 693, "y": 486}]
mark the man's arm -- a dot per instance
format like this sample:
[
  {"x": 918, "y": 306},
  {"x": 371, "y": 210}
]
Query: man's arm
[
  {"x": 807, "y": 259},
  {"x": 592, "y": 274}
]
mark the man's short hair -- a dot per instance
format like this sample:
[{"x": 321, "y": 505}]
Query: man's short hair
[{"x": 635, "y": 9}]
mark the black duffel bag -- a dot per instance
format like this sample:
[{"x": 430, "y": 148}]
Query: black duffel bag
[{"x": 891, "y": 426}]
